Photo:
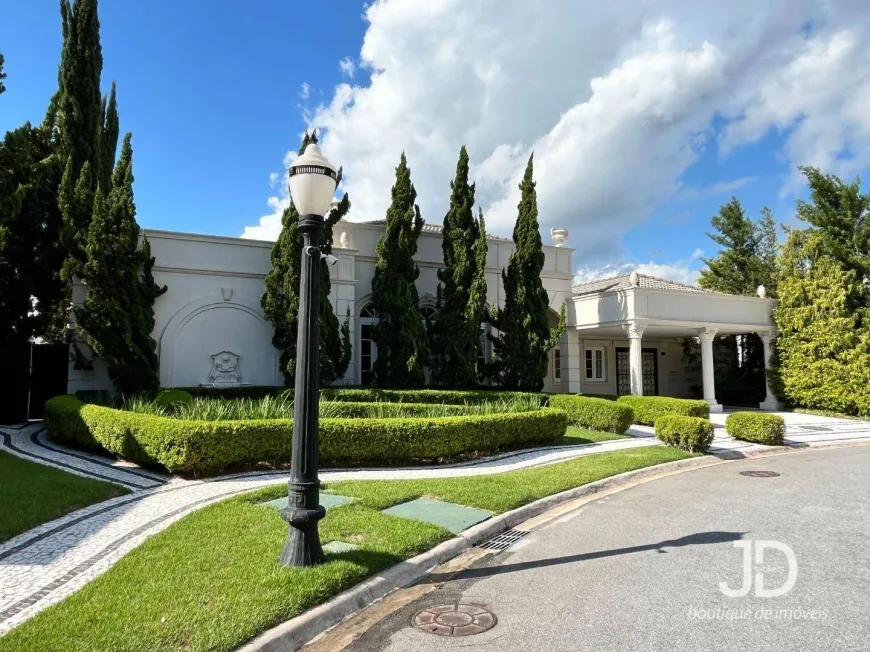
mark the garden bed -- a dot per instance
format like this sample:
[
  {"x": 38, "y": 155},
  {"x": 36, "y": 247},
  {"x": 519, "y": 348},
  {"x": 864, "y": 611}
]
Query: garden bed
[{"x": 208, "y": 447}]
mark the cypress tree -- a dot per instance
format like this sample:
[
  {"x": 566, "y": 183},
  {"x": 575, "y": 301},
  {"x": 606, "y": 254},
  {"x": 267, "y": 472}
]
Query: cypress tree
[
  {"x": 461, "y": 298},
  {"x": 2, "y": 74},
  {"x": 281, "y": 299},
  {"x": 117, "y": 316},
  {"x": 400, "y": 336},
  {"x": 525, "y": 337}
]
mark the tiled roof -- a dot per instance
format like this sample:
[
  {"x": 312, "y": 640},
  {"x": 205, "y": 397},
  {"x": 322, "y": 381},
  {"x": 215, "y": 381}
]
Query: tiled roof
[
  {"x": 433, "y": 228},
  {"x": 623, "y": 282}
]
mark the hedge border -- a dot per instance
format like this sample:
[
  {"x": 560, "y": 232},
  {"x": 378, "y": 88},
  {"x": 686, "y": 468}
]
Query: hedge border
[
  {"x": 757, "y": 427},
  {"x": 209, "y": 447},
  {"x": 648, "y": 408},
  {"x": 594, "y": 413},
  {"x": 693, "y": 434}
]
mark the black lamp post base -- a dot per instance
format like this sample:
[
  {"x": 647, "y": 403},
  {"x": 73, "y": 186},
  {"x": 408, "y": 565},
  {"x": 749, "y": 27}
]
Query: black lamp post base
[{"x": 302, "y": 545}]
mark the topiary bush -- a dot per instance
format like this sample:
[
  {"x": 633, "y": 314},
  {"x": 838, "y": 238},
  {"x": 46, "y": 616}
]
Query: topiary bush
[
  {"x": 444, "y": 396},
  {"x": 648, "y": 408},
  {"x": 692, "y": 434},
  {"x": 209, "y": 447},
  {"x": 607, "y": 397},
  {"x": 168, "y": 397},
  {"x": 594, "y": 413},
  {"x": 757, "y": 427}
]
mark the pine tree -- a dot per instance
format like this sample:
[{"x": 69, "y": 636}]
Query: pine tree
[
  {"x": 461, "y": 297},
  {"x": 736, "y": 269},
  {"x": 281, "y": 299},
  {"x": 117, "y": 316},
  {"x": 525, "y": 337},
  {"x": 768, "y": 251},
  {"x": 840, "y": 214},
  {"x": 400, "y": 335},
  {"x": 2, "y": 74}
]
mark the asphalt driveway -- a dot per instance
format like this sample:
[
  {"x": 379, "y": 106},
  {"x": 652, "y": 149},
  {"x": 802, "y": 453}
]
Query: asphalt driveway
[{"x": 641, "y": 569}]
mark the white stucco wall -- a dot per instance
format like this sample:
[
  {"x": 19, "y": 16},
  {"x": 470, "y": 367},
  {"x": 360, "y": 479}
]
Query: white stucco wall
[{"x": 215, "y": 283}]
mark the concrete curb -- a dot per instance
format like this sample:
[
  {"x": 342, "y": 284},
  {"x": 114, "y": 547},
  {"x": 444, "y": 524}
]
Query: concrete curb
[{"x": 296, "y": 632}]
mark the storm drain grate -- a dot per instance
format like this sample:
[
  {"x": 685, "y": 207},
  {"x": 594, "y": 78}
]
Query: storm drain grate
[
  {"x": 454, "y": 619},
  {"x": 817, "y": 428},
  {"x": 760, "y": 474},
  {"x": 503, "y": 541}
]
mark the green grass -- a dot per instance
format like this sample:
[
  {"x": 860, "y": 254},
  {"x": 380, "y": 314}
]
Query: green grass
[
  {"x": 33, "y": 493},
  {"x": 211, "y": 581},
  {"x": 577, "y": 435}
]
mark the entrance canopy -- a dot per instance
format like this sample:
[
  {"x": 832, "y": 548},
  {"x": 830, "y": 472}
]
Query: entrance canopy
[{"x": 636, "y": 306}]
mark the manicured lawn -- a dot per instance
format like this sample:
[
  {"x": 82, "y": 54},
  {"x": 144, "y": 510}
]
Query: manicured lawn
[
  {"x": 32, "y": 494},
  {"x": 578, "y": 435},
  {"x": 211, "y": 581}
]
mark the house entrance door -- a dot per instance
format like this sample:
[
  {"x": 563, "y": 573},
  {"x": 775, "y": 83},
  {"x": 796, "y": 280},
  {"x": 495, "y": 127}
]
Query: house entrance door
[{"x": 650, "y": 371}]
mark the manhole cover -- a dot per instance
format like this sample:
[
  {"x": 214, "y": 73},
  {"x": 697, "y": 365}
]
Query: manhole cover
[
  {"x": 454, "y": 619},
  {"x": 760, "y": 474}
]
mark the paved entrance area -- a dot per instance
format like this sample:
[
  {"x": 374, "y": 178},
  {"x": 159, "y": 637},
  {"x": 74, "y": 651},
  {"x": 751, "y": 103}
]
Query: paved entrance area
[{"x": 641, "y": 569}]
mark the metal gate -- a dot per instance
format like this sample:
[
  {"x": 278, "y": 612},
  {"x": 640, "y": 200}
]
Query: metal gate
[
  {"x": 650, "y": 371},
  {"x": 35, "y": 373}
]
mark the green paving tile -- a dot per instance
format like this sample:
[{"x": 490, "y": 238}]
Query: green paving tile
[
  {"x": 327, "y": 500},
  {"x": 450, "y": 516},
  {"x": 335, "y": 547}
]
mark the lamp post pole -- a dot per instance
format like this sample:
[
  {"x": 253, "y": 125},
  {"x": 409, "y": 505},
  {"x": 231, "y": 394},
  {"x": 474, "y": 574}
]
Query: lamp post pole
[{"x": 310, "y": 189}]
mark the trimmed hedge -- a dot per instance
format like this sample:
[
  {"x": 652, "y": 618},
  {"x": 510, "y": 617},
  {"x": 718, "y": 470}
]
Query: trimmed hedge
[
  {"x": 757, "y": 427},
  {"x": 168, "y": 397},
  {"x": 250, "y": 391},
  {"x": 594, "y": 413},
  {"x": 648, "y": 408},
  {"x": 443, "y": 396},
  {"x": 692, "y": 434},
  {"x": 208, "y": 447},
  {"x": 606, "y": 397}
]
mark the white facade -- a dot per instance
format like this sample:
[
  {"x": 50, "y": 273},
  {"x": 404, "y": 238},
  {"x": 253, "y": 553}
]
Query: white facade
[
  {"x": 624, "y": 334},
  {"x": 212, "y": 303}
]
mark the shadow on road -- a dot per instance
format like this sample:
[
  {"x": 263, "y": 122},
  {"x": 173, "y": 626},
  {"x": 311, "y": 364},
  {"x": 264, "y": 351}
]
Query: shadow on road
[{"x": 700, "y": 538}]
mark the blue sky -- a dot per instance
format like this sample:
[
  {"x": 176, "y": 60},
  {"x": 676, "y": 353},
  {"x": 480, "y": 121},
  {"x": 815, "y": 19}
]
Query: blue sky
[{"x": 644, "y": 119}]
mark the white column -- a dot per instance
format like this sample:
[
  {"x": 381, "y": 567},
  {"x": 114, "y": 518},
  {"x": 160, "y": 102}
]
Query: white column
[
  {"x": 770, "y": 401},
  {"x": 706, "y": 336},
  {"x": 570, "y": 361},
  {"x": 634, "y": 331}
]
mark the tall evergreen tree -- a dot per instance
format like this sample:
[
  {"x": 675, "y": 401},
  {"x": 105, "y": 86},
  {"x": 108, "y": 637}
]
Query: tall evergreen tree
[
  {"x": 525, "y": 336},
  {"x": 30, "y": 254},
  {"x": 840, "y": 214},
  {"x": 281, "y": 299},
  {"x": 117, "y": 316},
  {"x": 400, "y": 335},
  {"x": 461, "y": 299},
  {"x": 2, "y": 74},
  {"x": 736, "y": 269}
]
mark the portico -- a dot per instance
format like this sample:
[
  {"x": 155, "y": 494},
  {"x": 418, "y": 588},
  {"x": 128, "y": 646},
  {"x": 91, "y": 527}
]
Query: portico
[{"x": 626, "y": 336}]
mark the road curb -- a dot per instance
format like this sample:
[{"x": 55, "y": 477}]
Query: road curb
[{"x": 294, "y": 633}]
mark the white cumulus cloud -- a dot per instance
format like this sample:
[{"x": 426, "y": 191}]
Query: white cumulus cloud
[{"x": 617, "y": 100}]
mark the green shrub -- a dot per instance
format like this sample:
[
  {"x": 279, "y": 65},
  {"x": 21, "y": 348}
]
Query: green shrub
[
  {"x": 443, "y": 396},
  {"x": 168, "y": 398},
  {"x": 594, "y": 413},
  {"x": 248, "y": 391},
  {"x": 606, "y": 397},
  {"x": 756, "y": 427},
  {"x": 692, "y": 434},
  {"x": 208, "y": 447},
  {"x": 648, "y": 408}
]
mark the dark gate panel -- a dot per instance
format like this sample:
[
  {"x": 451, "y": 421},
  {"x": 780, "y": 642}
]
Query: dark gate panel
[
  {"x": 649, "y": 367},
  {"x": 13, "y": 387},
  {"x": 48, "y": 375}
]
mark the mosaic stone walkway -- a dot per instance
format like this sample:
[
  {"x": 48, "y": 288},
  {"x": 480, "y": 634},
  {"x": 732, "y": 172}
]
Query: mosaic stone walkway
[{"x": 42, "y": 566}]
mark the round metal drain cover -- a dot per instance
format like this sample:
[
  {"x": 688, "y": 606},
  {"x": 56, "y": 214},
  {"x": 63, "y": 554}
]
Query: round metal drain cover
[
  {"x": 454, "y": 619},
  {"x": 760, "y": 474}
]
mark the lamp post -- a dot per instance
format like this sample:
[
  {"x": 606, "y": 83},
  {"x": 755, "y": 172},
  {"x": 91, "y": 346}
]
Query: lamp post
[{"x": 312, "y": 186}]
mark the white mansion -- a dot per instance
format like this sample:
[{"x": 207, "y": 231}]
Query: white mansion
[{"x": 622, "y": 333}]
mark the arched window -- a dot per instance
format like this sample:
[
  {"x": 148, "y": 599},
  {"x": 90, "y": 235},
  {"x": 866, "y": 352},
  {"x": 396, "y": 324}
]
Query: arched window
[{"x": 368, "y": 350}]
